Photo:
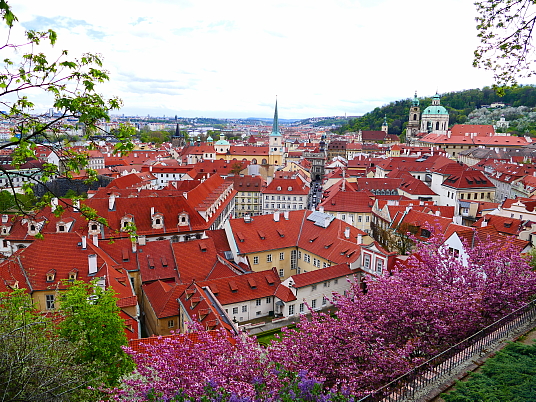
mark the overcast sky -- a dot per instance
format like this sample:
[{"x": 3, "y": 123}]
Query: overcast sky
[{"x": 214, "y": 58}]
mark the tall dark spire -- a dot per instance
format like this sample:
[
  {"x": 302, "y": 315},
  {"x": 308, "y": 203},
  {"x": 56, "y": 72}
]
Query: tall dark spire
[{"x": 275, "y": 126}]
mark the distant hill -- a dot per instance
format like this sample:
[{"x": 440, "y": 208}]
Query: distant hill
[
  {"x": 459, "y": 104},
  {"x": 270, "y": 120}
]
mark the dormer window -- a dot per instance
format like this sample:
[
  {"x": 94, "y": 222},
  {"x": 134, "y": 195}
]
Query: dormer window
[
  {"x": 73, "y": 274},
  {"x": 51, "y": 275},
  {"x": 32, "y": 228},
  {"x": 157, "y": 221},
  {"x": 94, "y": 228},
  {"x": 5, "y": 230},
  {"x": 184, "y": 219},
  {"x": 126, "y": 221}
]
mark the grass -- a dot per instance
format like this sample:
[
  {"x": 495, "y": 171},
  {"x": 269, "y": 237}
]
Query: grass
[
  {"x": 509, "y": 376},
  {"x": 265, "y": 338}
]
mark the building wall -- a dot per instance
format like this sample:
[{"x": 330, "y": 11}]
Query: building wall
[
  {"x": 276, "y": 202},
  {"x": 248, "y": 203},
  {"x": 251, "y": 309},
  {"x": 315, "y": 296},
  {"x": 155, "y": 326}
]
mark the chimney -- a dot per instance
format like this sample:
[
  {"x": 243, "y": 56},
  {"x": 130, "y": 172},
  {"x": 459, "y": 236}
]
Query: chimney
[
  {"x": 360, "y": 239},
  {"x": 76, "y": 205},
  {"x": 92, "y": 263},
  {"x": 141, "y": 240},
  {"x": 6, "y": 217},
  {"x": 152, "y": 211},
  {"x": 437, "y": 213},
  {"x": 484, "y": 223},
  {"x": 95, "y": 240},
  {"x": 347, "y": 232},
  {"x": 134, "y": 247},
  {"x": 111, "y": 202},
  {"x": 321, "y": 208},
  {"x": 285, "y": 214},
  {"x": 84, "y": 242},
  {"x": 185, "y": 195},
  {"x": 276, "y": 216},
  {"x": 151, "y": 168}
]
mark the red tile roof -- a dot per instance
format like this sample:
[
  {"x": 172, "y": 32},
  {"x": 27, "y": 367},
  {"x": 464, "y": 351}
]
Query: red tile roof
[{"x": 321, "y": 275}]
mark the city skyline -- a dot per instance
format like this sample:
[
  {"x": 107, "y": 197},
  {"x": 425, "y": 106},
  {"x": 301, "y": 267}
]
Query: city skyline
[{"x": 231, "y": 60}]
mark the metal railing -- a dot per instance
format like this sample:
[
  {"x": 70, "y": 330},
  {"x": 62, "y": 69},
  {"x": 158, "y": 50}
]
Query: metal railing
[{"x": 453, "y": 360}]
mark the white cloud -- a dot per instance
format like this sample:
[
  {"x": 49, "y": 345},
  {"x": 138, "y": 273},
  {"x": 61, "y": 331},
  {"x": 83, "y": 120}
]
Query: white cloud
[{"x": 232, "y": 58}]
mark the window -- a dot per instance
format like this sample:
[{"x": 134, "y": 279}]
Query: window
[
  {"x": 281, "y": 256},
  {"x": 291, "y": 309},
  {"x": 255, "y": 260},
  {"x": 326, "y": 284},
  {"x": 171, "y": 323},
  {"x": 302, "y": 307},
  {"x": 313, "y": 303},
  {"x": 258, "y": 313},
  {"x": 235, "y": 310},
  {"x": 268, "y": 300},
  {"x": 366, "y": 261},
  {"x": 258, "y": 302},
  {"x": 314, "y": 287},
  {"x": 50, "y": 302},
  {"x": 335, "y": 281},
  {"x": 269, "y": 258},
  {"x": 281, "y": 272},
  {"x": 325, "y": 264},
  {"x": 367, "y": 218},
  {"x": 293, "y": 259},
  {"x": 316, "y": 263},
  {"x": 324, "y": 300},
  {"x": 299, "y": 255},
  {"x": 379, "y": 266},
  {"x": 359, "y": 218},
  {"x": 245, "y": 309},
  {"x": 425, "y": 233},
  {"x": 306, "y": 258}
]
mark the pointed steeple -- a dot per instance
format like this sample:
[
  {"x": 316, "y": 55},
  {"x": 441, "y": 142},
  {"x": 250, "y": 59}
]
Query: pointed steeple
[
  {"x": 177, "y": 132},
  {"x": 275, "y": 126}
]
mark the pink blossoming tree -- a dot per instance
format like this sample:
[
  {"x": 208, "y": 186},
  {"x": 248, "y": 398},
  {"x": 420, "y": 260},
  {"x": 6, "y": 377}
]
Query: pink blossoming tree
[
  {"x": 435, "y": 301},
  {"x": 432, "y": 302}
]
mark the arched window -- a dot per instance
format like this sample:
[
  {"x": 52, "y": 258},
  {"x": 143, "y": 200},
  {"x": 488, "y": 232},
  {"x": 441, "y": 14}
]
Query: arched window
[
  {"x": 254, "y": 161},
  {"x": 264, "y": 161},
  {"x": 414, "y": 117},
  {"x": 437, "y": 126}
]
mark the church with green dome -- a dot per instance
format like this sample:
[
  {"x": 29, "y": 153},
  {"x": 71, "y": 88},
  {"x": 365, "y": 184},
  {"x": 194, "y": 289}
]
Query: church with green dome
[{"x": 435, "y": 118}]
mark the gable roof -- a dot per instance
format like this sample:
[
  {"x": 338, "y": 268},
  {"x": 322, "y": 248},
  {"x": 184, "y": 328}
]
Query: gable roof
[{"x": 321, "y": 275}]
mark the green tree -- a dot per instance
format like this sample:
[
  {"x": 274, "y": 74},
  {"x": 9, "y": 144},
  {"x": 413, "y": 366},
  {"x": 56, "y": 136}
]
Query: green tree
[
  {"x": 7, "y": 201},
  {"x": 71, "y": 86},
  {"x": 91, "y": 321},
  {"x": 505, "y": 30},
  {"x": 35, "y": 364}
]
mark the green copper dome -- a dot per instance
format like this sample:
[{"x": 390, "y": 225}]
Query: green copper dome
[
  {"x": 222, "y": 141},
  {"x": 435, "y": 110}
]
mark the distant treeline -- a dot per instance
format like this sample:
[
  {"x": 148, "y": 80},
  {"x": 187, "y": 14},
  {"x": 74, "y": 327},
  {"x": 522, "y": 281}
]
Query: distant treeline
[{"x": 459, "y": 104}]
